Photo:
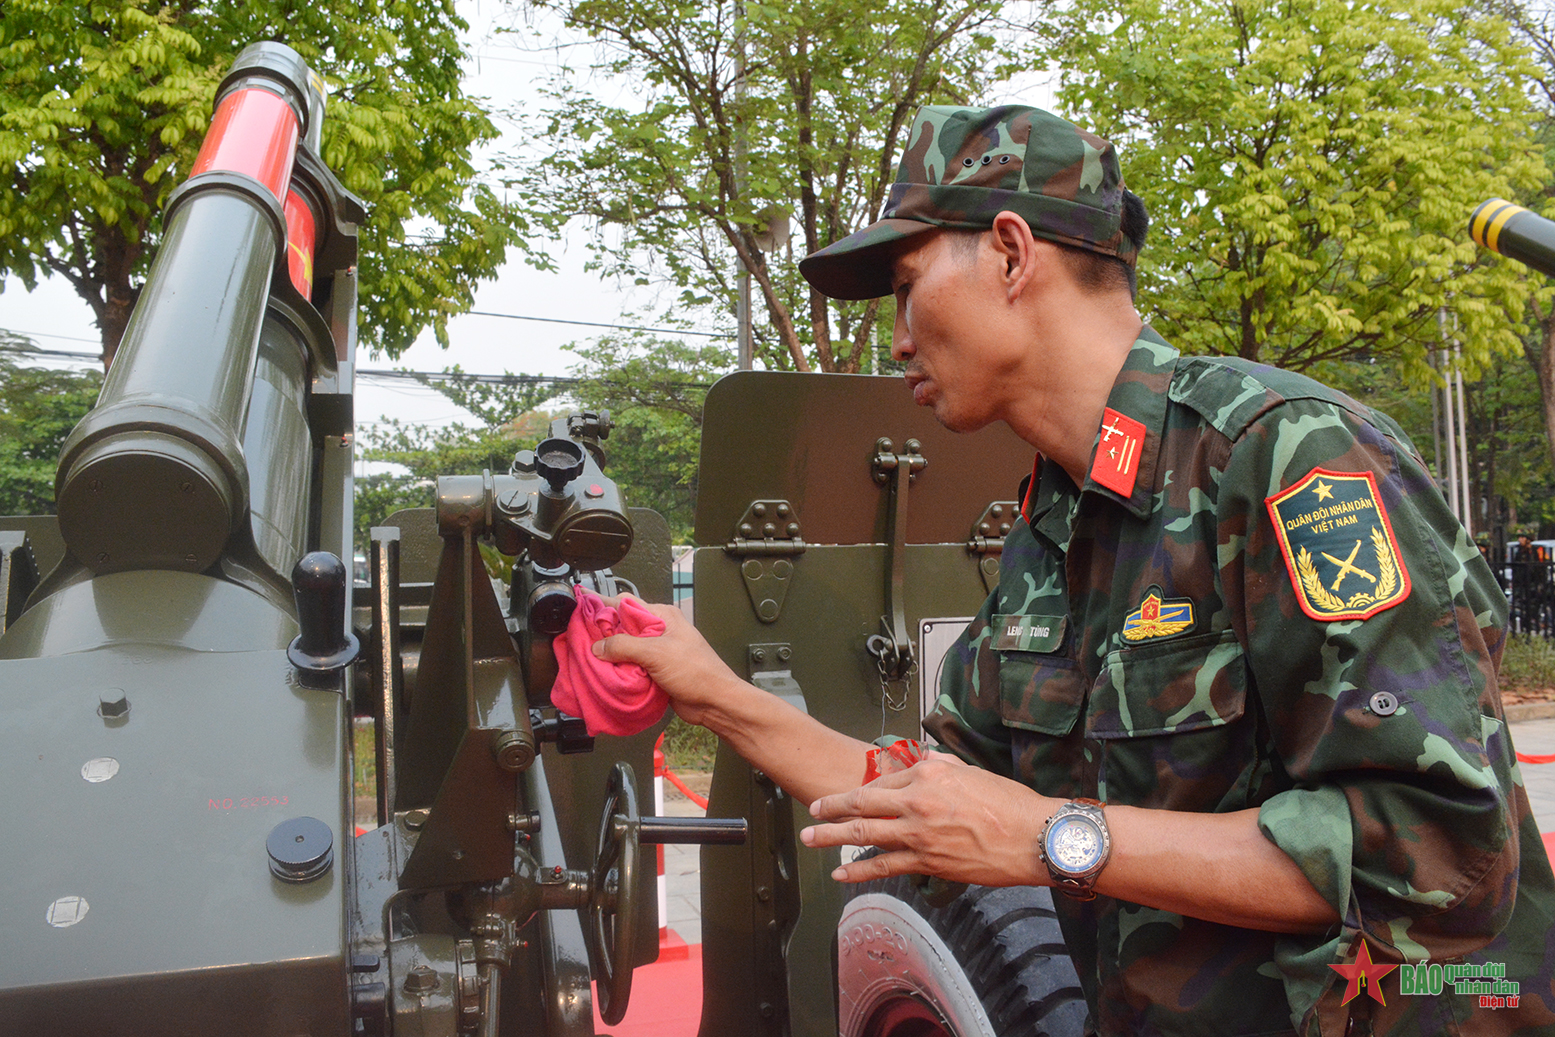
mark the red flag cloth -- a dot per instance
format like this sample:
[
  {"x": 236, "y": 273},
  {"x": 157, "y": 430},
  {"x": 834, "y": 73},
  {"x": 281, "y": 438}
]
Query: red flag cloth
[
  {"x": 1521, "y": 758},
  {"x": 612, "y": 698},
  {"x": 898, "y": 756}
]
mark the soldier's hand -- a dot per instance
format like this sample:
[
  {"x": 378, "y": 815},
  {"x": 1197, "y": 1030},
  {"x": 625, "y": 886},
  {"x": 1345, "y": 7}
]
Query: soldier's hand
[
  {"x": 939, "y": 817},
  {"x": 680, "y": 661}
]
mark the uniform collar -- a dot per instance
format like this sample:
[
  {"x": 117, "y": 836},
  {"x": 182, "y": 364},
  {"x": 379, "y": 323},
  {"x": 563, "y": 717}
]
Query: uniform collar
[{"x": 1140, "y": 393}]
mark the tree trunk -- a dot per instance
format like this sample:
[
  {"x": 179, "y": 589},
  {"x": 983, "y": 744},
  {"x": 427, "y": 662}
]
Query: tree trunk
[
  {"x": 1544, "y": 364},
  {"x": 1543, "y": 360}
]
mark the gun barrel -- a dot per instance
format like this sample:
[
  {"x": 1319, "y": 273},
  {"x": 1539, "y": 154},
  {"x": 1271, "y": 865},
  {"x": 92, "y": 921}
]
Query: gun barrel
[
  {"x": 1516, "y": 233},
  {"x": 155, "y": 476}
]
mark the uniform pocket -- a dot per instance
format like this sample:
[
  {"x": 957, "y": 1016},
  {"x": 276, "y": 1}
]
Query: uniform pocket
[
  {"x": 1040, "y": 688},
  {"x": 1193, "y": 690},
  {"x": 1169, "y": 688}
]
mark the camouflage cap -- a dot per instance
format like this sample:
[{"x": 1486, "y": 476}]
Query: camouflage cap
[{"x": 963, "y": 166}]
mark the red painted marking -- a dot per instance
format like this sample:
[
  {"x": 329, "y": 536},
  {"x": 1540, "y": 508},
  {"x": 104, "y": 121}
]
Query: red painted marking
[
  {"x": 301, "y": 239},
  {"x": 253, "y": 132}
]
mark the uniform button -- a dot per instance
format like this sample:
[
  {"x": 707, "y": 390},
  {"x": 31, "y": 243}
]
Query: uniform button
[{"x": 1384, "y": 703}]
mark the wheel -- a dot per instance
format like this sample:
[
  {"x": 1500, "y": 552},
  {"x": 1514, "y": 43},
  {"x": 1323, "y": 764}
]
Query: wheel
[
  {"x": 612, "y": 931},
  {"x": 990, "y": 963}
]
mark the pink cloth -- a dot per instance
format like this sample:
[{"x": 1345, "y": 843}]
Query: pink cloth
[{"x": 612, "y": 698}]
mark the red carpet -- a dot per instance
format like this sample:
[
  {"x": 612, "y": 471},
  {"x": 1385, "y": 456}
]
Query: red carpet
[{"x": 666, "y": 998}]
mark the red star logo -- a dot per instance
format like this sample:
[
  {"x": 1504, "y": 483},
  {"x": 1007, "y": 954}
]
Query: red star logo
[{"x": 1364, "y": 973}]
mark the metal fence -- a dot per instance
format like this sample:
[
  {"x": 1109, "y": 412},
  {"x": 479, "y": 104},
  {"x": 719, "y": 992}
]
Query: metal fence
[{"x": 1529, "y": 583}]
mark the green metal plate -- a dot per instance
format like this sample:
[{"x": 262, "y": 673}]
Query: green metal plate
[
  {"x": 184, "y": 928},
  {"x": 809, "y": 438}
]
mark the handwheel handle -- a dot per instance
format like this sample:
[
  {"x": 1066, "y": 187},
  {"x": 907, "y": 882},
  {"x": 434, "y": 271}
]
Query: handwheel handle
[{"x": 614, "y": 891}]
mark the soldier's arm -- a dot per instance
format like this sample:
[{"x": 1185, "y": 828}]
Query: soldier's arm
[
  {"x": 805, "y": 757},
  {"x": 964, "y": 824}
]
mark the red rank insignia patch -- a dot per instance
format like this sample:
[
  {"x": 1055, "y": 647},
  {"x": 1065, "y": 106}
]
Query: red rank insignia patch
[
  {"x": 1364, "y": 973},
  {"x": 1116, "y": 464}
]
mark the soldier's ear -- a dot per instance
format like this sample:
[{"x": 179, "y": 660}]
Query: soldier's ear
[{"x": 1017, "y": 250}]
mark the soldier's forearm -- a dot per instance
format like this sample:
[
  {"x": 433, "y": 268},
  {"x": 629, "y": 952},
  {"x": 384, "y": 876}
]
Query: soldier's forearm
[
  {"x": 805, "y": 757},
  {"x": 1218, "y": 867}
]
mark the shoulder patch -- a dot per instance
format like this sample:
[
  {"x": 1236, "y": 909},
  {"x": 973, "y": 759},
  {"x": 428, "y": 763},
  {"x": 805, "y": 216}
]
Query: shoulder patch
[{"x": 1339, "y": 547}]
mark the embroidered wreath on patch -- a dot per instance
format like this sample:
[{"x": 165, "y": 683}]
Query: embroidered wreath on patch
[{"x": 1387, "y": 578}]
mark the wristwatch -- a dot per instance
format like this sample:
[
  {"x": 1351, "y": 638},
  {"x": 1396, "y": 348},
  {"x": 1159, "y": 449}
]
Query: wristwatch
[{"x": 1075, "y": 847}]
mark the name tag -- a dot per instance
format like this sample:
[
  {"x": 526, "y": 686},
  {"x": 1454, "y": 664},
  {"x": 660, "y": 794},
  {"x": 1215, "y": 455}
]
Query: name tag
[{"x": 1043, "y": 634}]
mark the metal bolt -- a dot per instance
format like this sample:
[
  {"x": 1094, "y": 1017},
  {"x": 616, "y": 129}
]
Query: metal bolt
[
  {"x": 746, "y": 529},
  {"x": 758, "y": 655},
  {"x": 785, "y": 653},
  {"x": 758, "y": 509},
  {"x": 111, "y": 704},
  {"x": 763, "y": 893},
  {"x": 783, "y": 509},
  {"x": 767, "y": 1011},
  {"x": 518, "y": 822},
  {"x": 793, "y": 529},
  {"x": 421, "y": 980},
  {"x": 996, "y": 510},
  {"x": 912, "y": 446},
  {"x": 416, "y": 820},
  {"x": 514, "y": 752},
  {"x": 769, "y": 530}
]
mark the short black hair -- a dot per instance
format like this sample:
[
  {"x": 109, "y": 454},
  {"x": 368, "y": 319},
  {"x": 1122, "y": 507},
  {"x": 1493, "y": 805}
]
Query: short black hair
[
  {"x": 1098, "y": 272},
  {"x": 1095, "y": 271}
]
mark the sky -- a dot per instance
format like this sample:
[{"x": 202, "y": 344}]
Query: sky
[{"x": 506, "y": 69}]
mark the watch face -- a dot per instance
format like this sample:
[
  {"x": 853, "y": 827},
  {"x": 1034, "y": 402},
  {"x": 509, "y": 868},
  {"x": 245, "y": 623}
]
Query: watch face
[{"x": 1074, "y": 843}]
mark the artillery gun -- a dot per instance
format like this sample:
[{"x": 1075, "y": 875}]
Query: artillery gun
[{"x": 183, "y": 656}]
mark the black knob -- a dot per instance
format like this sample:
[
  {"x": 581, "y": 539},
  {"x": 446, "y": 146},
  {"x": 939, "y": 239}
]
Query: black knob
[
  {"x": 301, "y": 849},
  {"x": 572, "y": 735},
  {"x": 324, "y": 646},
  {"x": 558, "y": 462}
]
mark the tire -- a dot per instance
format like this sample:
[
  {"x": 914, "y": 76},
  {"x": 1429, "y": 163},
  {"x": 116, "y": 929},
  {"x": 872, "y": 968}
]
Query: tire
[{"x": 991, "y": 963}]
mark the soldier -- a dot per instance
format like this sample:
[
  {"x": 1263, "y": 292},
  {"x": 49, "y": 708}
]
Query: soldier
[{"x": 1235, "y": 694}]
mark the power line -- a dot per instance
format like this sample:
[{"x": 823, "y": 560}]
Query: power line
[
  {"x": 595, "y": 324},
  {"x": 389, "y": 374}
]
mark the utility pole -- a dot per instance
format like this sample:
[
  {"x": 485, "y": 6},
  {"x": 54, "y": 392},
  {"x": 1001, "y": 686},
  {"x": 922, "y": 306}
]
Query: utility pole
[{"x": 742, "y": 313}]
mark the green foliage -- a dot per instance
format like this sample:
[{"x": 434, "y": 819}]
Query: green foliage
[
  {"x": 103, "y": 105},
  {"x": 688, "y": 747},
  {"x": 38, "y": 408},
  {"x": 455, "y": 449},
  {"x": 1528, "y": 661},
  {"x": 677, "y": 183},
  {"x": 654, "y": 390},
  {"x": 1310, "y": 169}
]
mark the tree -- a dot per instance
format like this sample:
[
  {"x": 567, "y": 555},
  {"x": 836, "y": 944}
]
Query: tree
[
  {"x": 103, "y": 104},
  {"x": 654, "y": 389},
  {"x": 1310, "y": 166},
  {"x": 38, "y": 408},
  {"x": 698, "y": 177}
]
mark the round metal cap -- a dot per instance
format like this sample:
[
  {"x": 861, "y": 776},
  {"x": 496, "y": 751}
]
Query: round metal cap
[{"x": 301, "y": 849}]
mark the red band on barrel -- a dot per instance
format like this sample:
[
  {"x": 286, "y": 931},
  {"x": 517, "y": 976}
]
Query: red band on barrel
[
  {"x": 301, "y": 236},
  {"x": 253, "y": 132}
]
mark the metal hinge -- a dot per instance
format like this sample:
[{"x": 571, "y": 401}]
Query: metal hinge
[
  {"x": 767, "y": 536},
  {"x": 987, "y": 539}
]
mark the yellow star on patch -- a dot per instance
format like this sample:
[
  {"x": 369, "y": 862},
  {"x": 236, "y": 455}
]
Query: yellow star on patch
[{"x": 1323, "y": 491}]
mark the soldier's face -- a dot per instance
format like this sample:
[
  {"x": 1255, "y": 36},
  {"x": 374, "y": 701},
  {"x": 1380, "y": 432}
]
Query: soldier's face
[{"x": 950, "y": 330}]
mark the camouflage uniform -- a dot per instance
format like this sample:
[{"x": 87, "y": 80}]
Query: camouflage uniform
[
  {"x": 1258, "y": 599},
  {"x": 1176, "y": 649}
]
